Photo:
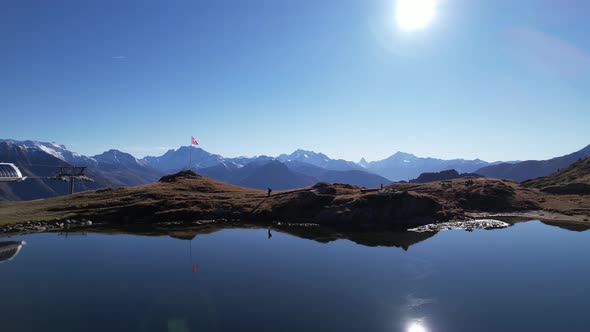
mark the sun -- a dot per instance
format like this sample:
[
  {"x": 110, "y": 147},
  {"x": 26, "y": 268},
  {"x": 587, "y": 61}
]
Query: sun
[{"x": 413, "y": 15}]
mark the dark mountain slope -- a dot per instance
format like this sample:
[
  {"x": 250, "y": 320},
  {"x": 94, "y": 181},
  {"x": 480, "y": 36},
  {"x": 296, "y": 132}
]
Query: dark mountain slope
[
  {"x": 175, "y": 160},
  {"x": 531, "y": 169},
  {"x": 354, "y": 177},
  {"x": 37, "y": 165},
  {"x": 41, "y": 160},
  {"x": 273, "y": 174},
  {"x": 122, "y": 169},
  {"x": 574, "y": 179}
]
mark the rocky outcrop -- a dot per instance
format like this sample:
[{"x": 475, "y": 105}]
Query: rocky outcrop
[
  {"x": 329, "y": 205},
  {"x": 443, "y": 175},
  {"x": 188, "y": 174},
  {"x": 39, "y": 227},
  {"x": 394, "y": 209},
  {"x": 477, "y": 194}
]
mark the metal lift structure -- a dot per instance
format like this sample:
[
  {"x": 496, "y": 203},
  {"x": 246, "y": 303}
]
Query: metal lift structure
[{"x": 10, "y": 173}]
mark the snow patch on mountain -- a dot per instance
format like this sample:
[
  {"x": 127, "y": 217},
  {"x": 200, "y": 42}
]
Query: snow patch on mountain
[{"x": 53, "y": 152}]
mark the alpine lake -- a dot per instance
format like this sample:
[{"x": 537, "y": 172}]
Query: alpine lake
[{"x": 530, "y": 276}]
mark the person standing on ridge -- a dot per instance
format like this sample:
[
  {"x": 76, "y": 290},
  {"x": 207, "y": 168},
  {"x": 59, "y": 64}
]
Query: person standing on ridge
[{"x": 269, "y": 192}]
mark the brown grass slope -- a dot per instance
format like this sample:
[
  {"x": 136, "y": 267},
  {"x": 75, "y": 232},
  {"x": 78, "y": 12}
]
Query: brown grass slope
[
  {"x": 574, "y": 179},
  {"x": 477, "y": 194},
  {"x": 189, "y": 197}
]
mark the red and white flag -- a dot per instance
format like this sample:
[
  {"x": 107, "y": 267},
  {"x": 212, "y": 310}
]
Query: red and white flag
[{"x": 194, "y": 141}]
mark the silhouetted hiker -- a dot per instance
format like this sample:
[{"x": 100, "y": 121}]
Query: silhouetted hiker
[
  {"x": 269, "y": 192},
  {"x": 269, "y": 233},
  {"x": 382, "y": 186}
]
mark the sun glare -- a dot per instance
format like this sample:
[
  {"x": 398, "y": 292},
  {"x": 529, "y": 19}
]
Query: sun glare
[
  {"x": 416, "y": 327},
  {"x": 414, "y": 14}
]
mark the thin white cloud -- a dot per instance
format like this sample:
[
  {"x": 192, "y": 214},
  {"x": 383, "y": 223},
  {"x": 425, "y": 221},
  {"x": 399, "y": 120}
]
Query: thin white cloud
[
  {"x": 550, "y": 52},
  {"x": 118, "y": 57},
  {"x": 415, "y": 302}
]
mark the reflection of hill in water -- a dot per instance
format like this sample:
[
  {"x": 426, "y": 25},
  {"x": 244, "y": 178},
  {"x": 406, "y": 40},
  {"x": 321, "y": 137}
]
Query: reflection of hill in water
[
  {"x": 576, "y": 227},
  {"x": 369, "y": 238},
  {"x": 567, "y": 225},
  {"x": 320, "y": 234}
]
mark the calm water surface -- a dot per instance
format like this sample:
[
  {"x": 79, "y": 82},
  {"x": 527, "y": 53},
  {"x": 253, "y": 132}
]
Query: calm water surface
[{"x": 529, "y": 277}]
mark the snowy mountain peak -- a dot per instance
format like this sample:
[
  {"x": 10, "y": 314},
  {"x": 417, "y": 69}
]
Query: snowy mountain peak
[
  {"x": 319, "y": 159},
  {"x": 402, "y": 156},
  {"x": 175, "y": 160},
  {"x": 58, "y": 151},
  {"x": 116, "y": 157},
  {"x": 305, "y": 154}
]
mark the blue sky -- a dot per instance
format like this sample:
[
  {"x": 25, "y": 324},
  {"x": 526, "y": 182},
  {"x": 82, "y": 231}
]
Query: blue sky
[{"x": 497, "y": 80}]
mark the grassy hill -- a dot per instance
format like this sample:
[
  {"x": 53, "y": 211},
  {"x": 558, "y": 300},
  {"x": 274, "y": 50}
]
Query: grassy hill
[
  {"x": 574, "y": 179},
  {"x": 187, "y": 197}
]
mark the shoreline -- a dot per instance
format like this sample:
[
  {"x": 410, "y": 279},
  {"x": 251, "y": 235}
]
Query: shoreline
[
  {"x": 468, "y": 219},
  {"x": 541, "y": 215},
  {"x": 189, "y": 198}
]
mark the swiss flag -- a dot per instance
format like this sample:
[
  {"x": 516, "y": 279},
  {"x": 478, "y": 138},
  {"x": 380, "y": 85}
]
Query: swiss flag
[{"x": 194, "y": 141}]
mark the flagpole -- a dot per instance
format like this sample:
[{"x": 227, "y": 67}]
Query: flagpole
[{"x": 190, "y": 155}]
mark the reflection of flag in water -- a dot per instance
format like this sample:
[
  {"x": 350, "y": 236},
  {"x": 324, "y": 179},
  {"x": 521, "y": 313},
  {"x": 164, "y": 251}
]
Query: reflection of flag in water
[{"x": 195, "y": 268}]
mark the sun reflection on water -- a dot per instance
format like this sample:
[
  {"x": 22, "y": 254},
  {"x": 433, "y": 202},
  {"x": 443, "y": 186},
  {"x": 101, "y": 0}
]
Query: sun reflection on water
[{"x": 416, "y": 327}]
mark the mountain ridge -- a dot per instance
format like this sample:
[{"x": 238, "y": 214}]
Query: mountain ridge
[
  {"x": 406, "y": 166},
  {"x": 41, "y": 160},
  {"x": 114, "y": 168},
  {"x": 530, "y": 169}
]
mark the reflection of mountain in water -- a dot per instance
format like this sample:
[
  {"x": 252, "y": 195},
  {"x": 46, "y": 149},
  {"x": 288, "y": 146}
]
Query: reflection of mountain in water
[{"x": 9, "y": 250}]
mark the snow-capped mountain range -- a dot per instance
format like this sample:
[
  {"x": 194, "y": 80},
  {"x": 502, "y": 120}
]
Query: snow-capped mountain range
[
  {"x": 41, "y": 160},
  {"x": 320, "y": 160},
  {"x": 406, "y": 166},
  {"x": 116, "y": 168}
]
